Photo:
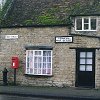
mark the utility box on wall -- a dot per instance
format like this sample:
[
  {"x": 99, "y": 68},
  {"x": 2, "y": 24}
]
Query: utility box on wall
[{"x": 15, "y": 62}]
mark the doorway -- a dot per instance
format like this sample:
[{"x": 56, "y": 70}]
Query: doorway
[{"x": 85, "y": 67}]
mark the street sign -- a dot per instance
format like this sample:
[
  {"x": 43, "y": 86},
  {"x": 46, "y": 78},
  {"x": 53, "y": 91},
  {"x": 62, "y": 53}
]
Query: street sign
[
  {"x": 63, "y": 39},
  {"x": 11, "y": 36}
]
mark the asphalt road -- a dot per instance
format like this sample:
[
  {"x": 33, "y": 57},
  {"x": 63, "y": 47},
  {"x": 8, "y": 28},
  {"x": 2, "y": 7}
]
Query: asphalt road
[
  {"x": 12, "y": 97},
  {"x": 15, "y": 97}
]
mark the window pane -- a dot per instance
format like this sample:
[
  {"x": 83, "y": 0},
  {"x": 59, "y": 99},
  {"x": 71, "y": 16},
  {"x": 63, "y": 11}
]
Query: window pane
[
  {"x": 27, "y": 65},
  {"x": 89, "y": 68},
  {"x": 44, "y": 65},
  {"x": 79, "y": 24},
  {"x": 31, "y": 70},
  {"x": 48, "y": 65},
  {"x": 44, "y": 59},
  {"x": 48, "y": 59},
  {"x": 35, "y": 65},
  {"x": 89, "y": 61},
  {"x": 29, "y": 59},
  {"x": 35, "y": 71},
  {"x": 86, "y": 20},
  {"x": 89, "y": 54},
  {"x": 86, "y": 26},
  {"x": 28, "y": 70},
  {"x": 37, "y": 52},
  {"x": 82, "y": 68},
  {"x": 93, "y": 24},
  {"x": 48, "y": 71},
  {"x": 44, "y": 71},
  {"x": 82, "y": 54},
  {"x": 35, "y": 59},
  {"x": 82, "y": 61},
  {"x": 46, "y": 53},
  {"x": 30, "y": 53},
  {"x": 39, "y": 59},
  {"x": 39, "y": 71},
  {"x": 39, "y": 65},
  {"x": 49, "y": 53}
]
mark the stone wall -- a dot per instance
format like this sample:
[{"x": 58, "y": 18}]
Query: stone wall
[
  {"x": 63, "y": 73},
  {"x": 64, "y": 58}
]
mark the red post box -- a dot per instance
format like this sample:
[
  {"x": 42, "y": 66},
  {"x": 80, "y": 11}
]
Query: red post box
[{"x": 15, "y": 62}]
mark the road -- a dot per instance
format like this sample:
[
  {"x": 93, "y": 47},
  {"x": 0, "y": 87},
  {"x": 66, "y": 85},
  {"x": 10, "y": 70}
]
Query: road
[{"x": 13, "y": 97}]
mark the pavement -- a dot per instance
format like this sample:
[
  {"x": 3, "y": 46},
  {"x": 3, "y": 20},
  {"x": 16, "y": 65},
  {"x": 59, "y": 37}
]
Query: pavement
[{"x": 52, "y": 92}]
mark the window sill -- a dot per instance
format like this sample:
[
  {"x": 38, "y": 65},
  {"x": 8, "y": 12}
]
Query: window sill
[
  {"x": 91, "y": 36},
  {"x": 85, "y": 30},
  {"x": 38, "y": 76}
]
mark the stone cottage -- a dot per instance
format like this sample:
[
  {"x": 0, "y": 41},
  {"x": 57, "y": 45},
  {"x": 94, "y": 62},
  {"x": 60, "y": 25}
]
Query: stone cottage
[{"x": 57, "y": 42}]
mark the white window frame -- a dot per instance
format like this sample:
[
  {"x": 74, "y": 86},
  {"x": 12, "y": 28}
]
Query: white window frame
[
  {"x": 89, "y": 18},
  {"x": 26, "y": 71}
]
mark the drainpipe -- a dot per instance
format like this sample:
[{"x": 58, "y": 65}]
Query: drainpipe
[
  {"x": 0, "y": 39},
  {"x": 70, "y": 24}
]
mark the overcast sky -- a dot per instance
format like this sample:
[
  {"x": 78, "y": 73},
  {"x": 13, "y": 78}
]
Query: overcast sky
[{"x": 0, "y": 0}]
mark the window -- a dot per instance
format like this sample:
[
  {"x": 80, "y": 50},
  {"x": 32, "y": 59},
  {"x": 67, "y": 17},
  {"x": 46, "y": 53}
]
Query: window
[
  {"x": 39, "y": 62},
  {"x": 85, "y": 24},
  {"x": 86, "y": 61}
]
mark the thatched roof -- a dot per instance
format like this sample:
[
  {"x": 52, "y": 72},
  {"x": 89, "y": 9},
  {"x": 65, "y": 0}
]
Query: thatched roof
[{"x": 48, "y": 12}]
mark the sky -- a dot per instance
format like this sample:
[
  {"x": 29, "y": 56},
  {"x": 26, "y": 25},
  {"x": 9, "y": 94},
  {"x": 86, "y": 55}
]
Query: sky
[{"x": 0, "y": 1}]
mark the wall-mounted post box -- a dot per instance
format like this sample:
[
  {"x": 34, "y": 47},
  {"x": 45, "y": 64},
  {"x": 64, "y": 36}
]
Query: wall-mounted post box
[{"x": 15, "y": 62}]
